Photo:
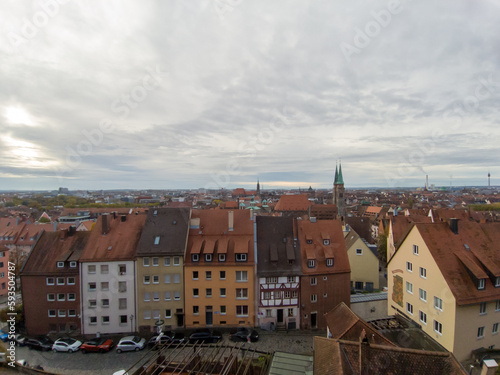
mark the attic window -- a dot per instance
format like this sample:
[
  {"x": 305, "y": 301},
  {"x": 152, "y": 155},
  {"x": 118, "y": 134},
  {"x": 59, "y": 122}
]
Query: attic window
[
  {"x": 60, "y": 264},
  {"x": 326, "y": 242},
  {"x": 309, "y": 242},
  {"x": 155, "y": 212},
  {"x": 359, "y": 251},
  {"x": 195, "y": 257},
  {"x": 311, "y": 263},
  {"x": 157, "y": 240},
  {"x": 329, "y": 262},
  {"x": 480, "y": 284},
  {"x": 72, "y": 264},
  {"x": 497, "y": 282}
]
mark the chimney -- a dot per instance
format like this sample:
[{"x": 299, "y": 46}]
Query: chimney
[
  {"x": 105, "y": 225},
  {"x": 231, "y": 220},
  {"x": 454, "y": 225},
  {"x": 489, "y": 367}
]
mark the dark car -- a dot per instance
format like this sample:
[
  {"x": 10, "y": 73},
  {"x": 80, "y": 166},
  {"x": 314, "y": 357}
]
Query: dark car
[
  {"x": 205, "y": 337},
  {"x": 166, "y": 338},
  {"x": 97, "y": 345},
  {"x": 244, "y": 334},
  {"x": 40, "y": 343}
]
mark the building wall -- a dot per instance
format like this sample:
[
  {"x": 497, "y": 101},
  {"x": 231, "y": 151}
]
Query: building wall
[
  {"x": 329, "y": 293},
  {"x": 268, "y": 307},
  {"x": 434, "y": 284},
  {"x": 364, "y": 268},
  {"x": 4, "y": 272},
  {"x": 36, "y": 305},
  {"x": 167, "y": 269},
  {"x": 230, "y": 301},
  {"x": 370, "y": 310},
  {"x": 113, "y": 293},
  {"x": 468, "y": 320}
]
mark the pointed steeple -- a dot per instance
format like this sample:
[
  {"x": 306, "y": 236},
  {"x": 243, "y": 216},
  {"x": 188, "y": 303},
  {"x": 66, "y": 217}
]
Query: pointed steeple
[
  {"x": 258, "y": 187},
  {"x": 341, "y": 179},
  {"x": 336, "y": 174}
]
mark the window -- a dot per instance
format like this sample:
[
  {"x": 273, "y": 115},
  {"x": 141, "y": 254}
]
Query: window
[
  {"x": 497, "y": 282},
  {"x": 168, "y": 313},
  {"x": 359, "y": 251},
  {"x": 60, "y": 264},
  {"x": 123, "y": 319},
  {"x": 105, "y": 303},
  {"x": 122, "y": 286},
  {"x": 482, "y": 308},
  {"x": 241, "y": 310},
  {"x": 314, "y": 281},
  {"x": 287, "y": 294},
  {"x": 222, "y": 275},
  {"x": 495, "y": 329},
  {"x": 290, "y": 312},
  {"x": 438, "y": 303},
  {"x": 241, "y": 276},
  {"x": 156, "y": 279},
  {"x": 156, "y": 262},
  {"x": 196, "y": 310},
  {"x": 177, "y": 295},
  {"x": 326, "y": 242},
  {"x": 222, "y": 257},
  {"x": 422, "y": 295},
  {"x": 72, "y": 264},
  {"x": 61, "y": 296},
  {"x": 50, "y": 281},
  {"x": 92, "y": 303},
  {"x": 145, "y": 262},
  {"x": 208, "y": 257},
  {"x": 480, "y": 333},
  {"x": 147, "y": 297},
  {"x": 71, "y": 296},
  {"x": 157, "y": 240},
  {"x": 314, "y": 297},
  {"x": 177, "y": 261},
  {"x": 415, "y": 249},
  {"x": 166, "y": 261},
  {"x": 311, "y": 263},
  {"x": 105, "y": 319},
  {"x": 325, "y": 295},
  {"x": 409, "y": 266},
  {"x": 177, "y": 278},
  {"x": 422, "y": 316},
  {"x": 92, "y": 287},
  {"x": 105, "y": 286},
  {"x": 269, "y": 313},
  {"x": 423, "y": 272},
  {"x": 409, "y": 287},
  {"x": 147, "y": 279},
  {"x": 480, "y": 284},
  {"x": 92, "y": 320},
  {"x": 60, "y": 281},
  {"x": 208, "y": 292},
  {"x": 272, "y": 280},
  {"x": 329, "y": 262},
  {"x": 196, "y": 292},
  {"x": 195, "y": 257},
  {"x": 167, "y": 296},
  {"x": 241, "y": 293},
  {"x": 91, "y": 268},
  {"x": 241, "y": 257},
  {"x": 51, "y": 297},
  {"x": 438, "y": 327},
  {"x": 122, "y": 303},
  {"x": 70, "y": 281},
  {"x": 497, "y": 306},
  {"x": 223, "y": 310},
  {"x": 122, "y": 269},
  {"x": 147, "y": 314},
  {"x": 208, "y": 275},
  {"x": 104, "y": 269},
  {"x": 295, "y": 294},
  {"x": 71, "y": 312},
  {"x": 222, "y": 292},
  {"x": 291, "y": 279},
  {"x": 156, "y": 314},
  {"x": 267, "y": 295},
  {"x": 409, "y": 308},
  {"x": 166, "y": 278},
  {"x": 52, "y": 313}
]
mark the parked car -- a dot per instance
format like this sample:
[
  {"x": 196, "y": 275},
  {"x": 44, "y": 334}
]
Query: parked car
[
  {"x": 130, "y": 343},
  {"x": 244, "y": 334},
  {"x": 67, "y": 345},
  {"x": 97, "y": 345},
  {"x": 40, "y": 343},
  {"x": 165, "y": 338},
  {"x": 205, "y": 337},
  {"x": 157, "y": 340},
  {"x": 20, "y": 340},
  {"x": 4, "y": 336}
]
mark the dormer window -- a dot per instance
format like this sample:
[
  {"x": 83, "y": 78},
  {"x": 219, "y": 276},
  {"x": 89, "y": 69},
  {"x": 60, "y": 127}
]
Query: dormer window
[
  {"x": 60, "y": 264},
  {"x": 311, "y": 263},
  {"x": 208, "y": 257},
  {"x": 241, "y": 257},
  {"x": 72, "y": 264},
  {"x": 326, "y": 242},
  {"x": 329, "y": 262},
  {"x": 195, "y": 257},
  {"x": 222, "y": 257},
  {"x": 497, "y": 282},
  {"x": 480, "y": 284}
]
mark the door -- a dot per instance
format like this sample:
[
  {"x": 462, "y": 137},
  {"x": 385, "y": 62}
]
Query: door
[
  {"x": 180, "y": 320},
  {"x": 280, "y": 316},
  {"x": 209, "y": 318},
  {"x": 314, "y": 323}
]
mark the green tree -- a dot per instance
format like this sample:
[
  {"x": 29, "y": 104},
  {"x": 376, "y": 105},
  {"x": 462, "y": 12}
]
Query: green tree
[
  {"x": 382, "y": 248},
  {"x": 43, "y": 220}
]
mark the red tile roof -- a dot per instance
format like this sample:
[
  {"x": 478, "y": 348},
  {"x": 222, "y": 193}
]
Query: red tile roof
[{"x": 298, "y": 202}]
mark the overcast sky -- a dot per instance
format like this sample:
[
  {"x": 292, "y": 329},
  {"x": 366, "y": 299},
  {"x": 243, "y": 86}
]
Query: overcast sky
[{"x": 220, "y": 93}]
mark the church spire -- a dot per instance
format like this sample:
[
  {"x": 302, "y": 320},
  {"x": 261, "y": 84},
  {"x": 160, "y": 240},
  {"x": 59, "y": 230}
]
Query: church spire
[
  {"x": 258, "y": 187},
  {"x": 336, "y": 174},
  {"x": 341, "y": 179}
]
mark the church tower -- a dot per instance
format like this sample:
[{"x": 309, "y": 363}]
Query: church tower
[
  {"x": 258, "y": 187},
  {"x": 338, "y": 192}
]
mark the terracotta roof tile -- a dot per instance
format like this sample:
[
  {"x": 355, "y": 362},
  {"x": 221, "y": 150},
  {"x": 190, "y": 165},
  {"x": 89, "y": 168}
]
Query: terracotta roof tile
[{"x": 298, "y": 202}]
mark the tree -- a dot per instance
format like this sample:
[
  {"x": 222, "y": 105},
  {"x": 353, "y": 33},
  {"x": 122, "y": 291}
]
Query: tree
[
  {"x": 43, "y": 220},
  {"x": 19, "y": 315},
  {"x": 382, "y": 248}
]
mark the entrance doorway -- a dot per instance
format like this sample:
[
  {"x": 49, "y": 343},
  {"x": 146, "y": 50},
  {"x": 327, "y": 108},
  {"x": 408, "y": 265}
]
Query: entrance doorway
[
  {"x": 280, "y": 316},
  {"x": 209, "y": 318},
  {"x": 314, "y": 322}
]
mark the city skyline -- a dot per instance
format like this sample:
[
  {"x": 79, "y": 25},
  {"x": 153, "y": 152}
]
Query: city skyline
[{"x": 219, "y": 94}]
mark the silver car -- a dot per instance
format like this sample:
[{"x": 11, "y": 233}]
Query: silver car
[
  {"x": 68, "y": 345},
  {"x": 130, "y": 343}
]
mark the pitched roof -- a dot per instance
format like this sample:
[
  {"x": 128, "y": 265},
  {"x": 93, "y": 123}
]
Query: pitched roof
[
  {"x": 119, "y": 242},
  {"x": 165, "y": 232},
  {"x": 296, "y": 202}
]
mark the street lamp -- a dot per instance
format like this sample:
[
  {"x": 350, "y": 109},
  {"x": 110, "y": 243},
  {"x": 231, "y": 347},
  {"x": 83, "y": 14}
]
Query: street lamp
[{"x": 131, "y": 323}]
